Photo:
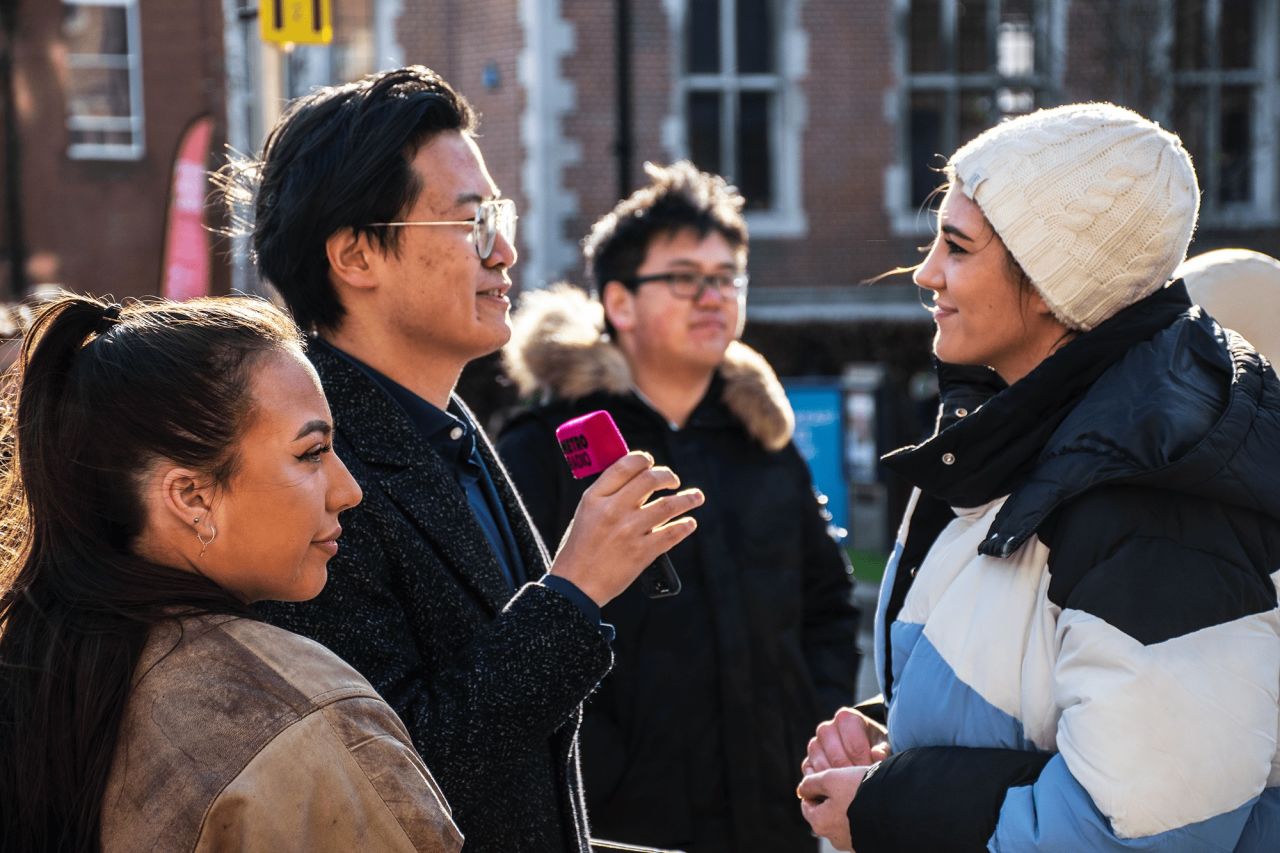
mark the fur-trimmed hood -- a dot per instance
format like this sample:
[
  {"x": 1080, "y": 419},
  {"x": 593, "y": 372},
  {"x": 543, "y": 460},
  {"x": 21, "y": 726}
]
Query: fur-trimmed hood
[{"x": 557, "y": 350}]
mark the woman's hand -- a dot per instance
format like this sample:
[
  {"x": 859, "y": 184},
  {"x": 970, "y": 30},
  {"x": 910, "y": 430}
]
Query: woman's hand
[
  {"x": 824, "y": 801},
  {"x": 848, "y": 739}
]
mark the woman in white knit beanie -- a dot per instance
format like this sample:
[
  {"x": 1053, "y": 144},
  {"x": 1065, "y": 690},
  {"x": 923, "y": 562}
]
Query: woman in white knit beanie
[{"x": 1078, "y": 638}]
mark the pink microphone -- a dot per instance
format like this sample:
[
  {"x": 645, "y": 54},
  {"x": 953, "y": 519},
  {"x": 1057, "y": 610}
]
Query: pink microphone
[{"x": 592, "y": 443}]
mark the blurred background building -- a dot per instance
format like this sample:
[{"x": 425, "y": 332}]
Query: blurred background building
[{"x": 830, "y": 115}]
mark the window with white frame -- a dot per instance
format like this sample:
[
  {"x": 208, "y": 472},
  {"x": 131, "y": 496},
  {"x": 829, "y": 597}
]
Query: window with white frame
[
  {"x": 965, "y": 65},
  {"x": 737, "y": 103},
  {"x": 103, "y": 80},
  {"x": 1223, "y": 64}
]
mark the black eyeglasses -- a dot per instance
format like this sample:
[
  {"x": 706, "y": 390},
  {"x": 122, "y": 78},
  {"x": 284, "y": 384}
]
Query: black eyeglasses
[
  {"x": 687, "y": 284},
  {"x": 493, "y": 217}
]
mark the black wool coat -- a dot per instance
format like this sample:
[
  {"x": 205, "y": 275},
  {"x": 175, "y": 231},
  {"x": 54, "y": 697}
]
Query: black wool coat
[{"x": 489, "y": 683}]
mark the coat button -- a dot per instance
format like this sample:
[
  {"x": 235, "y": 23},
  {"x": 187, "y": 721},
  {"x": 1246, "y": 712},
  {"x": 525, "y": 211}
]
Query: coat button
[
  {"x": 962, "y": 412},
  {"x": 948, "y": 459},
  {"x": 455, "y": 433}
]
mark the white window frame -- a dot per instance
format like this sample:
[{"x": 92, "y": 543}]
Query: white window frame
[
  {"x": 134, "y": 123},
  {"x": 1263, "y": 209},
  {"x": 1049, "y": 27},
  {"x": 786, "y": 217}
]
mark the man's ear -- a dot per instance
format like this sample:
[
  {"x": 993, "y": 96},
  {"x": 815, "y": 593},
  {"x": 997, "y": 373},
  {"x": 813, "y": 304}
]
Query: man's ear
[
  {"x": 185, "y": 496},
  {"x": 619, "y": 305},
  {"x": 352, "y": 256}
]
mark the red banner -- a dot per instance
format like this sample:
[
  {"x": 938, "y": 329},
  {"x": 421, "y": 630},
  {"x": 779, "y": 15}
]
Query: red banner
[{"x": 186, "y": 245}]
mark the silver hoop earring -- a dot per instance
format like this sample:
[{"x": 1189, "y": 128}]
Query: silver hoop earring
[{"x": 205, "y": 543}]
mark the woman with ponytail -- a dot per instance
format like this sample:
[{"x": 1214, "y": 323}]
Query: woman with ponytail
[{"x": 166, "y": 465}]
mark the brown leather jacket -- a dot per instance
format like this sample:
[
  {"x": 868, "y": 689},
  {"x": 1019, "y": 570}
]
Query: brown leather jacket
[{"x": 241, "y": 736}]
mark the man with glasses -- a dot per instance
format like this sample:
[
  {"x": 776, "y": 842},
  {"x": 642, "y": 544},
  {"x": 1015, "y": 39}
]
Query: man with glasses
[
  {"x": 379, "y": 224},
  {"x": 695, "y": 739}
]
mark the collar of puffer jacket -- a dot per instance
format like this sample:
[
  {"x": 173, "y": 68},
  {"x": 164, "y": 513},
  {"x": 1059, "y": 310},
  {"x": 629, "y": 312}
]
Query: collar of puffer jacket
[
  {"x": 557, "y": 350},
  {"x": 1158, "y": 395}
]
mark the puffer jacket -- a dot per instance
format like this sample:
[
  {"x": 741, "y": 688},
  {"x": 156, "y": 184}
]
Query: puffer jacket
[
  {"x": 1078, "y": 632},
  {"x": 694, "y": 740},
  {"x": 241, "y": 736}
]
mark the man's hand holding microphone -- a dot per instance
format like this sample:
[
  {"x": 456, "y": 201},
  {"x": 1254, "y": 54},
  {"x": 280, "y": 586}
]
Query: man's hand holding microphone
[{"x": 619, "y": 528}]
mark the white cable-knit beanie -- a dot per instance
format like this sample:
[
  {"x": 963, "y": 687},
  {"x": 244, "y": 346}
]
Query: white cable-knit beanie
[{"x": 1096, "y": 204}]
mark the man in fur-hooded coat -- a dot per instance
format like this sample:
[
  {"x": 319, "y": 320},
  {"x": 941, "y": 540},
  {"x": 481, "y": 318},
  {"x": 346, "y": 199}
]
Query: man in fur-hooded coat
[{"x": 694, "y": 741}]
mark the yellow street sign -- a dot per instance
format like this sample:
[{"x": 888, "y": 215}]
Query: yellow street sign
[{"x": 296, "y": 21}]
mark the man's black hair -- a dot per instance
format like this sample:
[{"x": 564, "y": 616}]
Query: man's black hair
[
  {"x": 340, "y": 158},
  {"x": 678, "y": 197}
]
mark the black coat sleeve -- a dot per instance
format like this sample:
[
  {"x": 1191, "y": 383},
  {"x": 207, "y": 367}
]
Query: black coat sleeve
[
  {"x": 938, "y": 799},
  {"x": 532, "y": 457}
]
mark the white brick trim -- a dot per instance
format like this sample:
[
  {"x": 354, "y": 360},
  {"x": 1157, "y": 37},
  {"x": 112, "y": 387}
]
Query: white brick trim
[{"x": 549, "y": 96}]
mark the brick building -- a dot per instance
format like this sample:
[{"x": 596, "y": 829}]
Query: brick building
[
  {"x": 99, "y": 96},
  {"x": 829, "y": 114}
]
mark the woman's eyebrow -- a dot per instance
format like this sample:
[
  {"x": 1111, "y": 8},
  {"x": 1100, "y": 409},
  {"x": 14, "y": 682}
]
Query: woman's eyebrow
[
  {"x": 322, "y": 427},
  {"x": 956, "y": 232}
]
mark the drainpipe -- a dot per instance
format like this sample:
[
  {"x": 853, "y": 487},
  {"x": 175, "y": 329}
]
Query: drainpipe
[
  {"x": 622, "y": 148},
  {"x": 12, "y": 153}
]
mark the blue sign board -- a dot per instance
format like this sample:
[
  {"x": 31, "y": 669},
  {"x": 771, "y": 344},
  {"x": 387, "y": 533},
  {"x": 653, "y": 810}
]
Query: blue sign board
[{"x": 819, "y": 437}]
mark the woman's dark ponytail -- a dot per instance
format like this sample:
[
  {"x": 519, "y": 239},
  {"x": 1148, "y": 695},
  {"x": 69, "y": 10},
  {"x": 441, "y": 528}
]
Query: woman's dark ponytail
[
  {"x": 52, "y": 343},
  {"x": 99, "y": 393}
]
